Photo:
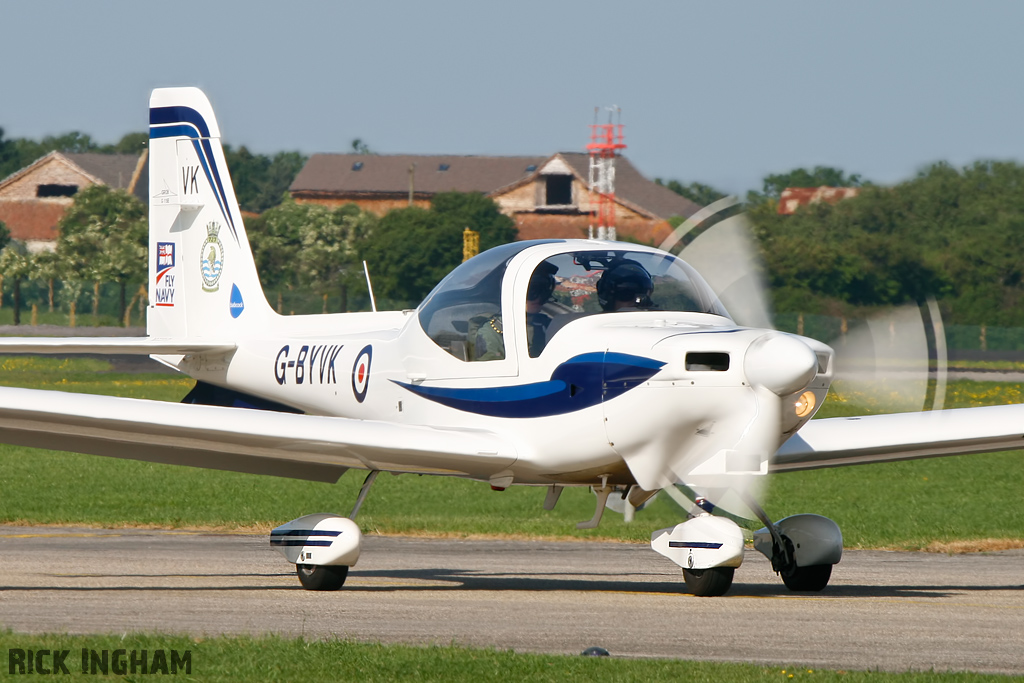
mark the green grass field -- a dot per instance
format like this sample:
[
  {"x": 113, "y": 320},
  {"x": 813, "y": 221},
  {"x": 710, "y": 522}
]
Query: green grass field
[
  {"x": 906, "y": 505},
  {"x": 902, "y": 505},
  {"x": 281, "y": 659}
]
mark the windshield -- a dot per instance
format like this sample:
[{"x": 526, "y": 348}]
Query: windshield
[
  {"x": 467, "y": 298},
  {"x": 569, "y": 286},
  {"x": 463, "y": 313}
]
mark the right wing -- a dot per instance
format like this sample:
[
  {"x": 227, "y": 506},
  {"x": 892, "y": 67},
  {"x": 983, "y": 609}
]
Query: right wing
[
  {"x": 838, "y": 441},
  {"x": 309, "y": 447}
]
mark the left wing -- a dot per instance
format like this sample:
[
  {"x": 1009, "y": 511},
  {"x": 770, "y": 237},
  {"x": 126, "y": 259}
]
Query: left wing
[
  {"x": 316, "y": 448},
  {"x": 839, "y": 441}
]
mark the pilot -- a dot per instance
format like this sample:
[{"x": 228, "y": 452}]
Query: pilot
[
  {"x": 625, "y": 286},
  {"x": 487, "y": 340}
]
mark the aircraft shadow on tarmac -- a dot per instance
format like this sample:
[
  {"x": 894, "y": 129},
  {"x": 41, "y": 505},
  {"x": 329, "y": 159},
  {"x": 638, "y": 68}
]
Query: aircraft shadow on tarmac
[
  {"x": 468, "y": 580},
  {"x": 134, "y": 578},
  {"x": 450, "y": 579}
]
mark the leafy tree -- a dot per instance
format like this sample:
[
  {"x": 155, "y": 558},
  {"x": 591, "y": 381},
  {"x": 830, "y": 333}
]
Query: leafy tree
[
  {"x": 260, "y": 181},
  {"x": 131, "y": 143},
  {"x": 773, "y": 185},
  {"x": 696, "y": 192},
  {"x": 5, "y": 233},
  {"x": 409, "y": 253},
  {"x": 413, "y": 248},
  {"x": 309, "y": 245},
  {"x": 461, "y": 210},
  {"x": 104, "y": 238},
  {"x": 329, "y": 259},
  {"x": 15, "y": 266},
  {"x": 360, "y": 147},
  {"x": 46, "y": 266},
  {"x": 953, "y": 233}
]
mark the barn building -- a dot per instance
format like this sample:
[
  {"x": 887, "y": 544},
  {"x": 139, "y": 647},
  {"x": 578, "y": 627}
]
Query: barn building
[
  {"x": 33, "y": 200},
  {"x": 546, "y": 196}
]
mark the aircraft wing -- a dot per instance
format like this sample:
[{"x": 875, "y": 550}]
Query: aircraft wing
[
  {"x": 839, "y": 441},
  {"x": 308, "y": 447},
  {"x": 111, "y": 345}
]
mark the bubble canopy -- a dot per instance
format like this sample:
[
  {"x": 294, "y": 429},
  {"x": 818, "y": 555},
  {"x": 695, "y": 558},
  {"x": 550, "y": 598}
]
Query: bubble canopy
[{"x": 463, "y": 313}]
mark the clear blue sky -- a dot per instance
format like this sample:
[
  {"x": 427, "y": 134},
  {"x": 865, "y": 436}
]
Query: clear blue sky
[{"x": 719, "y": 92}]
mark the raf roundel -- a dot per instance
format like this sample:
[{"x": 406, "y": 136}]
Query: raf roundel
[{"x": 361, "y": 373}]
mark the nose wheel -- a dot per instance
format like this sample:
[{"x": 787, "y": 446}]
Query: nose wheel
[
  {"x": 807, "y": 579},
  {"x": 314, "y": 577},
  {"x": 709, "y": 583}
]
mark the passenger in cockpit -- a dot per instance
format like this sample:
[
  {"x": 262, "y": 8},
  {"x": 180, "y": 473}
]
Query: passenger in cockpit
[
  {"x": 487, "y": 337},
  {"x": 625, "y": 286}
]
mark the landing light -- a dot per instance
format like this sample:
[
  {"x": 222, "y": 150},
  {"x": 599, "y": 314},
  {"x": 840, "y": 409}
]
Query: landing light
[{"x": 805, "y": 404}]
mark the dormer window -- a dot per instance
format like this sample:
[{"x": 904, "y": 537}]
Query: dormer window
[
  {"x": 357, "y": 166},
  {"x": 558, "y": 190},
  {"x": 443, "y": 167}
]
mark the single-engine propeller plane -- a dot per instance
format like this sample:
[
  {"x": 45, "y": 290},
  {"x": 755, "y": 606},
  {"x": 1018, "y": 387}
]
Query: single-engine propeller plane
[{"x": 547, "y": 363}]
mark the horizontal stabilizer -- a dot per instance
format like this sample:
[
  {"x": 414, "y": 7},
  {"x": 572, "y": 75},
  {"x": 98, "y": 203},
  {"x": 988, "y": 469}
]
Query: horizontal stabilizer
[{"x": 112, "y": 345}]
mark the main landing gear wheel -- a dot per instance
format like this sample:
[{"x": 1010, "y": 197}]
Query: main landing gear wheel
[
  {"x": 314, "y": 577},
  {"x": 709, "y": 583},
  {"x": 807, "y": 579}
]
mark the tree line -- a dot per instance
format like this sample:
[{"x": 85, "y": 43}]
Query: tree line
[
  {"x": 952, "y": 233},
  {"x": 298, "y": 249},
  {"x": 260, "y": 181}
]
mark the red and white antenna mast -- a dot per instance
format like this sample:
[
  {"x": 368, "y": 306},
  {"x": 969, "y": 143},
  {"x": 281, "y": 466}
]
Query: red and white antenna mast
[{"x": 605, "y": 142}]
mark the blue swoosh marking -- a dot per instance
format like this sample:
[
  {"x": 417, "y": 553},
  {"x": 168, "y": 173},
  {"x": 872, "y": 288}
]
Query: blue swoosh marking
[
  {"x": 162, "y": 115},
  {"x": 174, "y": 131},
  {"x": 199, "y": 132},
  {"x": 581, "y": 382}
]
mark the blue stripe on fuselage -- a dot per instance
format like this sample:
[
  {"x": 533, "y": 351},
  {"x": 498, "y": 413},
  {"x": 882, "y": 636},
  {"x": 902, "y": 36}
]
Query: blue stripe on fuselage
[{"x": 580, "y": 382}]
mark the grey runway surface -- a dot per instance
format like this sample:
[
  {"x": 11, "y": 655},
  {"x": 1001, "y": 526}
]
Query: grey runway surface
[{"x": 887, "y": 610}]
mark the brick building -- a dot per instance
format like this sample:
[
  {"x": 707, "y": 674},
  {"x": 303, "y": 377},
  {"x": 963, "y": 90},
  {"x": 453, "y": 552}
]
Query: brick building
[
  {"x": 33, "y": 200},
  {"x": 546, "y": 196}
]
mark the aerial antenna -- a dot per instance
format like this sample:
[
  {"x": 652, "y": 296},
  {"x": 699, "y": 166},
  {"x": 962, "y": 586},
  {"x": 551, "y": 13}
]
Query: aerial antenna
[
  {"x": 369, "y": 286},
  {"x": 605, "y": 143}
]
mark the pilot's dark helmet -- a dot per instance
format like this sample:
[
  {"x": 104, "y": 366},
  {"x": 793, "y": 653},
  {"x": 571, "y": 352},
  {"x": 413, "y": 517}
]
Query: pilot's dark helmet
[
  {"x": 625, "y": 281},
  {"x": 542, "y": 282}
]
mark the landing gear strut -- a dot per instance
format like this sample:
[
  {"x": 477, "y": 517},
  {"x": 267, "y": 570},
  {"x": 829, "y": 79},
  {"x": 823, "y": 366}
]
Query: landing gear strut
[
  {"x": 802, "y": 548},
  {"x": 323, "y": 546}
]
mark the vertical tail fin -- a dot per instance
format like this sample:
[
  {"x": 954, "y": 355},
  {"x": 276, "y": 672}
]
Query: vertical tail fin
[{"x": 202, "y": 277}]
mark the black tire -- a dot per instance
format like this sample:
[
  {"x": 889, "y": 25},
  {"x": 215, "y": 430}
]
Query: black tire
[
  {"x": 808, "y": 579},
  {"x": 709, "y": 583},
  {"x": 315, "y": 577}
]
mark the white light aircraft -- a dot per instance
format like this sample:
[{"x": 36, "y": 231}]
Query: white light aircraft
[{"x": 547, "y": 363}]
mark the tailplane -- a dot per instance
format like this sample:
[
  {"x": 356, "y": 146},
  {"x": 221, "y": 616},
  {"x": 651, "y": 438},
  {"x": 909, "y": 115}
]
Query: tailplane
[{"x": 202, "y": 276}]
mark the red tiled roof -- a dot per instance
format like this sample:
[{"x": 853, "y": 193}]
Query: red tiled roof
[
  {"x": 793, "y": 198},
  {"x": 28, "y": 220},
  {"x": 335, "y": 173}
]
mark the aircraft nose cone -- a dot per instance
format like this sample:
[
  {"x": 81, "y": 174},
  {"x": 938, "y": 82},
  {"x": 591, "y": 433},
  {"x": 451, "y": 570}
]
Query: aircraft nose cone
[{"x": 780, "y": 363}]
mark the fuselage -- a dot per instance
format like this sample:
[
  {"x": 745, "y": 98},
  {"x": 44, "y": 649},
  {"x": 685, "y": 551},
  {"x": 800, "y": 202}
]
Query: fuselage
[{"x": 609, "y": 391}]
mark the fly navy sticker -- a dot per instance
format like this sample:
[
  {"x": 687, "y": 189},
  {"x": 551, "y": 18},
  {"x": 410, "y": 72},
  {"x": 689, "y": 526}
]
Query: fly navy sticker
[
  {"x": 212, "y": 255},
  {"x": 164, "y": 294},
  {"x": 312, "y": 364},
  {"x": 361, "y": 373},
  {"x": 236, "y": 305}
]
